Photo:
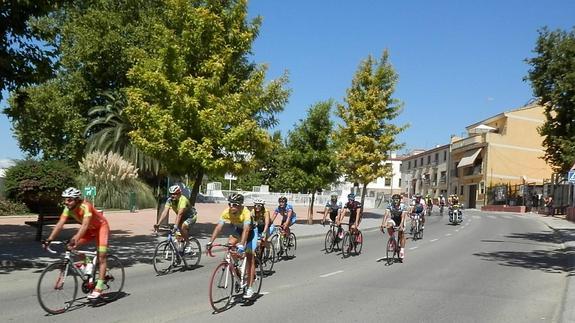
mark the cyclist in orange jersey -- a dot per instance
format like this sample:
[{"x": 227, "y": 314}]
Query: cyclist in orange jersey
[{"x": 94, "y": 226}]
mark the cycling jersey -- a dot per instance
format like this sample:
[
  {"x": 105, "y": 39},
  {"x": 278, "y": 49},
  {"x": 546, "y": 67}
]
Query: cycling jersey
[
  {"x": 182, "y": 203},
  {"x": 238, "y": 221},
  {"x": 98, "y": 228},
  {"x": 396, "y": 212},
  {"x": 352, "y": 206},
  {"x": 259, "y": 220},
  {"x": 284, "y": 212},
  {"x": 333, "y": 207},
  {"x": 418, "y": 208}
]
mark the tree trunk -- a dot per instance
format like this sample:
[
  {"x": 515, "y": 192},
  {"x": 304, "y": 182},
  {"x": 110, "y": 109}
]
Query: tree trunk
[
  {"x": 310, "y": 209},
  {"x": 363, "y": 192},
  {"x": 196, "y": 187}
]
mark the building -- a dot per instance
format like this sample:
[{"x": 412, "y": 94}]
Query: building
[
  {"x": 503, "y": 149},
  {"x": 425, "y": 172}
]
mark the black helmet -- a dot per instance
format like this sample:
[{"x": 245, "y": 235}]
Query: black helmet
[
  {"x": 236, "y": 198},
  {"x": 396, "y": 199},
  {"x": 351, "y": 196},
  {"x": 282, "y": 199}
]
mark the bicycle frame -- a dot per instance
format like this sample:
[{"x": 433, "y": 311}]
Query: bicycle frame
[
  {"x": 84, "y": 276},
  {"x": 231, "y": 260}
]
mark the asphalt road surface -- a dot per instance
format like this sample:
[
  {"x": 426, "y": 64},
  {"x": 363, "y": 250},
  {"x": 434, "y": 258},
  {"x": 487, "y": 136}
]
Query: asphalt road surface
[{"x": 491, "y": 268}]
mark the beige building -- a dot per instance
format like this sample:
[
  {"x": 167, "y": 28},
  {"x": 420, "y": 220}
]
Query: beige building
[
  {"x": 503, "y": 149},
  {"x": 425, "y": 172}
]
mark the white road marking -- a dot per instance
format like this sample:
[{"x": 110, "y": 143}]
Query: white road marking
[
  {"x": 492, "y": 217},
  {"x": 413, "y": 248},
  {"x": 264, "y": 293},
  {"x": 331, "y": 274},
  {"x": 508, "y": 217},
  {"x": 447, "y": 234},
  {"x": 456, "y": 230},
  {"x": 433, "y": 240},
  {"x": 476, "y": 217}
]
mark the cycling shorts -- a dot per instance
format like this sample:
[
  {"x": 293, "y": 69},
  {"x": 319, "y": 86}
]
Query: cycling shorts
[
  {"x": 100, "y": 235},
  {"x": 252, "y": 240},
  {"x": 394, "y": 221},
  {"x": 333, "y": 215},
  {"x": 190, "y": 220},
  {"x": 292, "y": 219}
]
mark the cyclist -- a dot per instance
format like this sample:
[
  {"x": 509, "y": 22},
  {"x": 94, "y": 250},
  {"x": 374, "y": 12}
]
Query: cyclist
[
  {"x": 94, "y": 226},
  {"x": 418, "y": 207},
  {"x": 186, "y": 214},
  {"x": 260, "y": 217},
  {"x": 353, "y": 208},
  {"x": 429, "y": 203},
  {"x": 244, "y": 234},
  {"x": 441, "y": 201},
  {"x": 333, "y": 207},
  {"x": 453, "y": 204},
  {"x": 287, "y": 213},
  {"x": 395, "y": 216}
]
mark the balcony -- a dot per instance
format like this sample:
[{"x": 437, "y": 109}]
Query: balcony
[{"x": 467, "y": 142}]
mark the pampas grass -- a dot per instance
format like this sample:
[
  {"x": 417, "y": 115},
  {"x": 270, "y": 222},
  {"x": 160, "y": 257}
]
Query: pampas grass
[{"x": 114, "y": 179}]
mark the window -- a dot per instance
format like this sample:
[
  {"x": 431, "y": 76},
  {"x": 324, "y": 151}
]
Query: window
[
  {"x": 415, "y": 163},
  {"x": 387, "y": 181},
  {"x": 421, "y": 162},
  {"x": 409, "y": 164},
  {"x": 428, "y": 159},
  {"x": 461, "y": 190},
  {"x": 436, "y": 157},
  {"x": 399, "y": 183},
  {"x": 444, "y": 155}
]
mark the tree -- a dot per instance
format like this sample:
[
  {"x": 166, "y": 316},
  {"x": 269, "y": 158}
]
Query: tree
[
  {"x": 311, "y": 151},
  {"x": 367, "y": 136},
  {"x": 109, "y": 132},
  {"x": 195, "y": 103},
  {"x": 23, "y": 58},
  {"x": 552, "y": 77}
]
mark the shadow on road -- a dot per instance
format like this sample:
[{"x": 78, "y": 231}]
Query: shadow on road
[{"x": 552, "y": 261}]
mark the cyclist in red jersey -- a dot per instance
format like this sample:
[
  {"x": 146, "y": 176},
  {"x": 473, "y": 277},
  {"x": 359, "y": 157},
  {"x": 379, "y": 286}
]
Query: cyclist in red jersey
[{"x": 94, "y": 226}]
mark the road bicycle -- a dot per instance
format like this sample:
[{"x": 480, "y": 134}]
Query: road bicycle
[
  {"x": 416, "y": 227},
  {"x": 173, "y": 252},
  {"x": 333, "y": 238},
  {"x": 58, "y": 284},
  {"x": 455, "y": 215},
  {"x": 352, "y": 242},
  {"x": 266, "y": 253},
  {"x": 392, "y": 250},
  {"x": 229, "y": 280},
  {"x": 285, "y": 244}
]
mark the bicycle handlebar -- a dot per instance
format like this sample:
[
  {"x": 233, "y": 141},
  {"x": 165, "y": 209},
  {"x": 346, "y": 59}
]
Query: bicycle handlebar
[{"x": 226, "y": 245}]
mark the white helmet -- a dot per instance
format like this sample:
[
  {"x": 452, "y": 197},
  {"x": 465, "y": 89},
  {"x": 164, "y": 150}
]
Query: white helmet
[
  {"x": 259, "y": 201},
  {"x": 174, "y": 189},
  {"x": 72, "y": 192}
]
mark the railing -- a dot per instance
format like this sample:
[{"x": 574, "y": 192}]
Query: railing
[{"x": 467, "y": 142}]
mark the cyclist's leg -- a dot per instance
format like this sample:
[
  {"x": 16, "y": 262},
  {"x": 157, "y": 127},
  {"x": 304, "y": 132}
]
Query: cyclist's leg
[
  {"x": 390, "y": 224},
  {"x": 186, "y": 226}
]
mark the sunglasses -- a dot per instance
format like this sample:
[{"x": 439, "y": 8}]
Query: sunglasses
[
  {"x": 234, "y": 205},
  {"x": 69, "y": 199},
  {"x": 258, "y": 205}
]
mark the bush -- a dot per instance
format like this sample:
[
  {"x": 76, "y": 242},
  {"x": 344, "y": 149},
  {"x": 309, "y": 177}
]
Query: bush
[
  {"x": 38, "y": 184},
  {"x": 114, "y": 179},
  {"x": 11, "y": 208}
]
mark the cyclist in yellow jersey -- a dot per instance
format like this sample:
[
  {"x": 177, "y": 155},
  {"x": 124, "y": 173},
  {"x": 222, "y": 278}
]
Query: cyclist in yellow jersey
[
  {"x": 239, "y": 217},
  {"x": 186, "y": 214}
]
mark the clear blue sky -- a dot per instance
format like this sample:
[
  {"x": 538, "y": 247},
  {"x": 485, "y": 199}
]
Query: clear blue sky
[{"x": 459, "y": 62}]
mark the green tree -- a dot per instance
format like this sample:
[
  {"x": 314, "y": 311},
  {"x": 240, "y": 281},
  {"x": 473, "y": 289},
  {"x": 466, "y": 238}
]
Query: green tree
[
  {"x": 196, "y": 103},
  {"x": 367, "y": 135},
  {"x": 23, "y": 58},
  {"x": 109, "y": 132},
  {"x": 552, "y": 77},
  {"x": 311, "y": 151}
]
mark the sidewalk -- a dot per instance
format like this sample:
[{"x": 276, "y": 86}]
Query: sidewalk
[{"x": 131, "y": 234}]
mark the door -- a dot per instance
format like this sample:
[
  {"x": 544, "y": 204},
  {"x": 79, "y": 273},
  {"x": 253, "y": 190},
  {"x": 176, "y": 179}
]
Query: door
[{"x": 472, "y": 196}]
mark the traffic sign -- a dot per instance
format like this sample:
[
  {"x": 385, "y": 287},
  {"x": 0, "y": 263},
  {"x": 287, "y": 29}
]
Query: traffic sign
[
  {"x": 90, "y": 191},
  {"x": 571, "y": 176}
]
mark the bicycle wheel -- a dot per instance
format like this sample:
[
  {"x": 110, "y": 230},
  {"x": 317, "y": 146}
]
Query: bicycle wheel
[
  {"x": 113, "y": 280},
  {"x": 358, "y": 242},
  {"x": 193, "y": 253},
  {"x": 221, "y": 287},
  {"x": 257, "y": 285},
  {"x": 267, "y": 255},
  {"x": 390, "y": 250},
  {"x": 291, "y": 245},
  {"x": 57, "y": 287},
  {"x": 276, "y": 241},
  {"x": 329, "y": 241},
  {"x": 346, "y": 245},
  {"x": 164, "y": 257}
]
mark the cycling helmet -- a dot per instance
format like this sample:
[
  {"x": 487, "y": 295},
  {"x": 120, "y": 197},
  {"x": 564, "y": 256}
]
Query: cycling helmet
[
  {"x": 396, "y": 199},
  {"x": 259, "y": 202},
  {"x": 236, "y": 198},
  {"x": 282, "y": 199},
  {"x": 351, "y": 196},
  {"x": 175, "y": 189},
  {"x": 72, "y": 192}
]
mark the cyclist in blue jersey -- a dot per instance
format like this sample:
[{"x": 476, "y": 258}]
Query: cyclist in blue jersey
[
  {"x": 287, "y": 213},
  {"x": 418, "y": 207}
]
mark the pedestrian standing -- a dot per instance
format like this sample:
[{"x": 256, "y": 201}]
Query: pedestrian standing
[{"x": 549, "y": 205}]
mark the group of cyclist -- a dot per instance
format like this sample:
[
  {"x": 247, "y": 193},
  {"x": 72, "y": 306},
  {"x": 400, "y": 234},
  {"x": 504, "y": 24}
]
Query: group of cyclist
[{"x": 247, "y": 227}]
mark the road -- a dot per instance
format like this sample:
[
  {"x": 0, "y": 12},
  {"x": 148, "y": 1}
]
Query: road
[{"x": 491, "y": 268}]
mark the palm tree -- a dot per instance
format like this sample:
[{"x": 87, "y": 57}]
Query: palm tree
[{"x": 108, "y": 132}]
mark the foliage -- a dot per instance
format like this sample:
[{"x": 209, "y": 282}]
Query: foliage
[
  {"x": 38, "y": 183},
  {"x": 114, "y": 178},
  {"x": 109, "y": 129},
  {"x": 310, "y": 151},
  {"x": 552, "y": 78},
  {"x": 8, "y": 207},
  {"x": 23, "y": 58},
  {"x": 367, "y": 136},
  {"x": 196, "y": 103}
]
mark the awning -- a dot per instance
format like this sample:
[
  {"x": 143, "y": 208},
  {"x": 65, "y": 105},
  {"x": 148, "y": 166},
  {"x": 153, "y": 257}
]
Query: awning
[
  {"x": 482, "y": 128},
  {"x": 469, "y": 158}
]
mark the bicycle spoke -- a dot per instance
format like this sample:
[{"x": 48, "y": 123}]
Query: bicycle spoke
[
  {"x": 221, "y": 287},
  {"x": 57, "y": 287},
  {"x": 164, "y": 257},
  {"x": 113, "y": 279}
]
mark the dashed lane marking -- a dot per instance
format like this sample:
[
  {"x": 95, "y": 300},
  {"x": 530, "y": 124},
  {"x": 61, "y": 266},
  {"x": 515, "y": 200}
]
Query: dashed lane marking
[
  {"x": 413, "y": 248},
  {"x": 447, "y": 234},
  {"x": 331, "y": 274},
  {"x": 433, "y": 240}
]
